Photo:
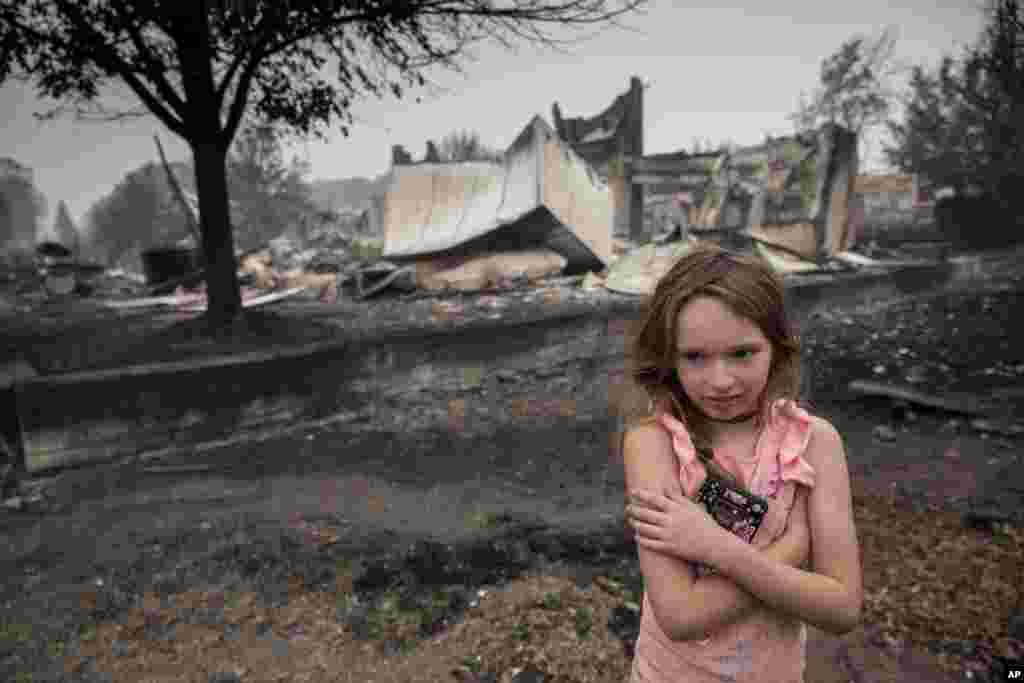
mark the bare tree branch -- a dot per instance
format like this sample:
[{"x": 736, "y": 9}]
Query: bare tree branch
[
  {"x": 152, "y": 68},
  {"x": 82, "y": 114},
  {"x": 241, "y": 99},
  {"x": 106, "y": 59},
  {"x": 225, "y": 82}
]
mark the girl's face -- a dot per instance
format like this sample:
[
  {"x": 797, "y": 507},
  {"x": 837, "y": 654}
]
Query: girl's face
[{"x": 723, "y": 359}]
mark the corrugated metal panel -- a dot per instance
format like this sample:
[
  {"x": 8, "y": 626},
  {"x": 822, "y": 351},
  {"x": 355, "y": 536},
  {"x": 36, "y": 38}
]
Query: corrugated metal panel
[
  {"x": 798, "y": 237},
  {"x": 432, "y": 208},
  {"x": 577, "y": 198}
]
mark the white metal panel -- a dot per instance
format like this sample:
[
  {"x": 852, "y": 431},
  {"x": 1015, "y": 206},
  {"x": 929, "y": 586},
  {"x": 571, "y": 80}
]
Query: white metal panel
[
  {"x": 431, "y": 208},
  {"x": 439, "y": 206},
  {"x": 521, "y": 186},
  {"x": 436, "y": 207}
]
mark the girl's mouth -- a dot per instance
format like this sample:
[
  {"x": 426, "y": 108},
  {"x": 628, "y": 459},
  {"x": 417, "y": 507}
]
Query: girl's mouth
[{"x": 724, "y": 403}]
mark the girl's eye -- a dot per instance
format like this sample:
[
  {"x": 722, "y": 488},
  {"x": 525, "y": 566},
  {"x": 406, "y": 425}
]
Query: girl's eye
[{"x": 744, "y": 354}]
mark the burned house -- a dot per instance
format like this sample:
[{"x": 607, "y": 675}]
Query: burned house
[
  {"x": 469, "y": 225},
  {"x": 787, "y": 198}
]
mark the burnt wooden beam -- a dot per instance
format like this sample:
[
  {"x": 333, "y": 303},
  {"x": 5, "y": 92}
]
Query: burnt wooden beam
[{"x": 965, "y": 404}]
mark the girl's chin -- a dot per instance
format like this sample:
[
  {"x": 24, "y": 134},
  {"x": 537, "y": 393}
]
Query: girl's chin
[{"x": 732, "y": 408}]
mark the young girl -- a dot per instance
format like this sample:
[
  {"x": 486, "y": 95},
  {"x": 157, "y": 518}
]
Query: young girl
[{"x": 716, "y": 356}]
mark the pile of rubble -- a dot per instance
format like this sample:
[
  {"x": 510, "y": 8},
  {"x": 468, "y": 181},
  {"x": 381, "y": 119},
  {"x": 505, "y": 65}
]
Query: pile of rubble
[{"x": 330, "y": 262}]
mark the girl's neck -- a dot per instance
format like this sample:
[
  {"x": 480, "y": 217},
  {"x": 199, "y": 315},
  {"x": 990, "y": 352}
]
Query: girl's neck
[
  {"x": 739, "y": 419},
  {"x": 737, "y": 428}
]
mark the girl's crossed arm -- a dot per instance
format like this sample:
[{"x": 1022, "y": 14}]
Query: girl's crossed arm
[
  {"x": 831, "y": 596},
  {"x": 688, "y": 608},
  {"x": 729, "y": 601}
]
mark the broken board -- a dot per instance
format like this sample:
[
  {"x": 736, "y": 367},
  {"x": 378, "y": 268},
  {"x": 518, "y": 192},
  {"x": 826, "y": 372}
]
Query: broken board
[
  {"x": 966, "y": 404},
  {"x": 860, "y": 260},
  {"x": 196, "y": 304}
]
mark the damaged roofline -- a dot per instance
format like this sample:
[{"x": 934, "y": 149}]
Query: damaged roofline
[{"x": 437, "y": 208}]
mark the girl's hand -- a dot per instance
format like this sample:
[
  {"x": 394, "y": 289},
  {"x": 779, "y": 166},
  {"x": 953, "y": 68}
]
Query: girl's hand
[{"x": 672, "y": 523}]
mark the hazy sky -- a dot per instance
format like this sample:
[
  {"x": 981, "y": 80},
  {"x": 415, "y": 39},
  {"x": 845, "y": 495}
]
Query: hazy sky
[{"x": 724, "y": 72}]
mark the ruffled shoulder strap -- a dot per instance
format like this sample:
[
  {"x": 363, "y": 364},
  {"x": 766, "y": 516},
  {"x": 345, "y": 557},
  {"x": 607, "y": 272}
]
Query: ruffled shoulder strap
[
  {"x": 692, "y": 472},
  {"x": 791, "y": 427}
]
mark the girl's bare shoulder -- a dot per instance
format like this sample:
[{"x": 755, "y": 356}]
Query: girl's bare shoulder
[
  {"x": 640, "y": 423},
  {"x": 825, "y": 447}
]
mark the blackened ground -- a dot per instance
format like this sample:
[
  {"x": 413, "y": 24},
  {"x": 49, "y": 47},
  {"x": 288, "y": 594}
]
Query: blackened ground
[{"x": 956, "y": 341}]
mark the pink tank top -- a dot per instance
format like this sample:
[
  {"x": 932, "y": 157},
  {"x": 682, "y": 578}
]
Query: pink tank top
[{"x": 766, "y": 646}]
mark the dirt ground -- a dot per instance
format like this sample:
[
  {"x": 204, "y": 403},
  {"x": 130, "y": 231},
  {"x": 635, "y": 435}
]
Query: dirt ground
[{"x": 257, "y": 554}]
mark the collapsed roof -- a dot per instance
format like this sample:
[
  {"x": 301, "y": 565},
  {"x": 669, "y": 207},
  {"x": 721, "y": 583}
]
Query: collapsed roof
[{"x": 543, "y": 196}]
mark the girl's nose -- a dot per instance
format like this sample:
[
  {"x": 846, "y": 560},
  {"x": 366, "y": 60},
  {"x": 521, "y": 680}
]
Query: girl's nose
[{"x": 719, "y": 377}]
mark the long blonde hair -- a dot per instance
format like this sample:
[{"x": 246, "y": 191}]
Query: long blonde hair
[{"x": 748, "y": 286}]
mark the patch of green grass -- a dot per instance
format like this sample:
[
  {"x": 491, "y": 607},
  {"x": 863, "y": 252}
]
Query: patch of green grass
[
  {"x": 521, "y": 631},
  {"x": 55, "y": 648},
  {"x": 552, "y": 601},
  {"x": 473, "y": 663},
  {"x": 87, "y": 632},
  {"x": 388, "y": 602},
  {"x": 584, "y": 622},
  {"x": 23, "y": 678},
  {"x": 345, "y": 600},
  {"x": 440, "y": 600},
  {"x": 409, "y": 618},
  {"x": 374, "y": 627},
  {"x": 387, "y": 614},
  {"x": 20, "y": 632}
]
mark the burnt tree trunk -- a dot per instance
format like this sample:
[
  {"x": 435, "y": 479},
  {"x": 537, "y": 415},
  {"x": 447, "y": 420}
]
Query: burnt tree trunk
[
  {"x": 209, "y": 142},
  {"x": 224, "y": 299}
]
